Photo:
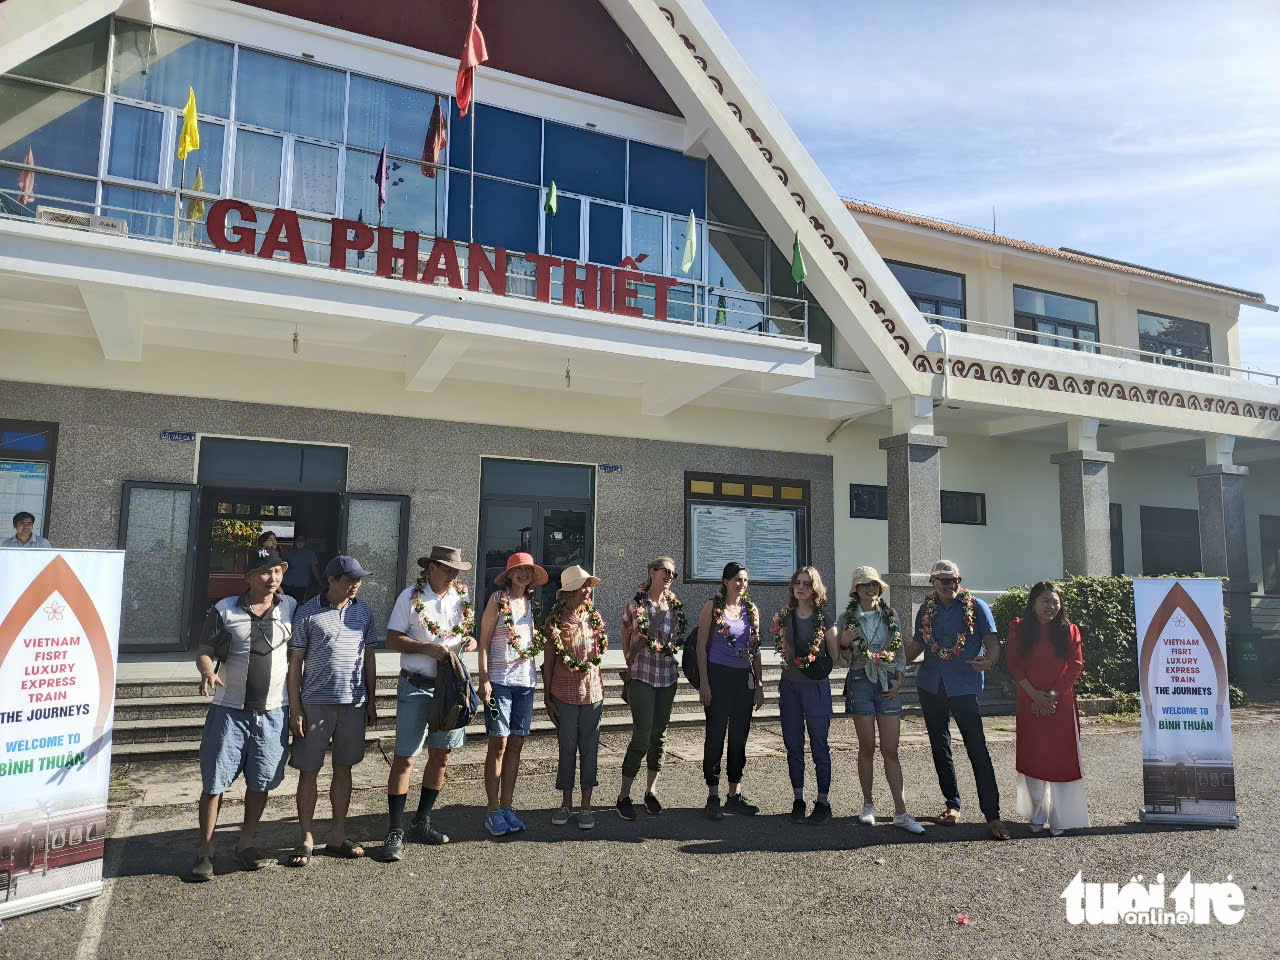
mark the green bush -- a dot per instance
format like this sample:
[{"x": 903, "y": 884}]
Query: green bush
[{"x": 1102, "y": 607}]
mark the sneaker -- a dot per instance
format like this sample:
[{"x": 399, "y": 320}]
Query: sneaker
[
  {"x": 1037, "y": 827},
  {"x": 713, "y": 809},
  {"x": 907, "y": 823},
  {"x": 738, "y": 804},
  {"x": 821, "y": 813},
  {"x": 202, "y": 869},
  {"x": 1056, "y": 831},
  {"x": 586, "y": 819},
  {"x": 868, "y": 815},
  {"x": 393, "y": 846},
  {"x": 652, "y": 805},
  {"x": 514, "y": 823},
  {"x": 421, "y": 831},
  {"x": 797, "y": 811},
  {"x": 561, "y": 817},
  {"x": 626, "y": 809},
  {"x": 496, "y": 824}
]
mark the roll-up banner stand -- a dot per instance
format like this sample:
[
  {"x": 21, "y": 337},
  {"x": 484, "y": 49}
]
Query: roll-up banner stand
[
  {"x": 59, "y": 635},
  {"x": 1187, "y": 772}
]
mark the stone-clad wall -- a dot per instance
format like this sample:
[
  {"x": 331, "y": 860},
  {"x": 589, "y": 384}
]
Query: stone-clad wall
[{"x": 107, "y": 437}]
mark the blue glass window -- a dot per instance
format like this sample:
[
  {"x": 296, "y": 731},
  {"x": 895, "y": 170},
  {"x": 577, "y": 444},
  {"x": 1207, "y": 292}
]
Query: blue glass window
[
  {"x": 207, "y": 161},
  {"x": 646, "y": 240},
  {"x": 736, "y": 261},
  {"x": 604, "y": 232},
  {"x": 564, "y": 230},
  {"x": 61, "y": 129},
  {"x": 289, "y": 95},
  {"x": 666, "y": 180},
  {"x": 414, "y": 202},
  {"x": 135, "y": 143},
  {"x": 148, "y": 214},
  {"x": 724, "y": 205},
  {"x": 508, "y": 144},
  {"x": 78, "y": 61},
  {"x": 580, "y": 161},
  {"x": 13, "y": 440},
  {"x": 506, "y": 215},
  {"x": 159, "y": 66},
  {"x": 257, "y": 167},
  {"x": 50, "y": 191},
  {"x": 315, "y": 177},
  {"x": 459, "y": 206},
  {"x": 387, "y": 113},
  {"x": 679, "y": 231}
]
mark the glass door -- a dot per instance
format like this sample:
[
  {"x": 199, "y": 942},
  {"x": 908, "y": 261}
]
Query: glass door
[
  {"x": 565, "y": 537},
  {"x": 375, "y": 530},
  {"x": 506, "y": 528},
  {"x": 158, "y": 533}
]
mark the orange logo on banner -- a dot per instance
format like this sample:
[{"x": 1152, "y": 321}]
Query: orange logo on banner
[
  {"x": 58, "y": 577},
  {"x": 1179, "y": 599}
]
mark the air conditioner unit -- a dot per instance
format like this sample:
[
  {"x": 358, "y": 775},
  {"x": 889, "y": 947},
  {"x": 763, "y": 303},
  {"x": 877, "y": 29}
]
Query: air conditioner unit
[{"x": 82, "y": 221}]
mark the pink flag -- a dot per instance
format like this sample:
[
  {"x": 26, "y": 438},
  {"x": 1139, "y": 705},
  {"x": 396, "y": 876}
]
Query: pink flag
[
  {"x": 27, "y": 181},
  {"x": 473, "y": 54},
  {"x": 435, "y": 141},
  {"x": 380, "y": 177}
]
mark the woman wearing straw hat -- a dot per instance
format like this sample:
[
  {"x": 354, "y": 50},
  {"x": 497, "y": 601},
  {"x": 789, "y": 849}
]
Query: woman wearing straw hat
[
  {"x": 507, "y": 676},
  {"x": 574, "y": 692},
  {"x": 872, "y": 641}
]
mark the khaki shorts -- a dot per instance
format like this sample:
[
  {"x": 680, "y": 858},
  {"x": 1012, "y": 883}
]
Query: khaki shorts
[{"x": 342, "y": 723}]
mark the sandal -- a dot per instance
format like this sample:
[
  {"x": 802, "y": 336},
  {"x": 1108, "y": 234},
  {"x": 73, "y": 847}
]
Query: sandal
[
  {"x": 346, "y": 850},
  {"x": 949, "y": 817},
  {"x": 301, "y": 855},
  {"x": 998, "y": 830},
  {"x": 249, "y": 858}
]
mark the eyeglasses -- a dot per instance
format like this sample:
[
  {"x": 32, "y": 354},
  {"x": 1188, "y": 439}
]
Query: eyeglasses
[{"x": 948, "y": 581}]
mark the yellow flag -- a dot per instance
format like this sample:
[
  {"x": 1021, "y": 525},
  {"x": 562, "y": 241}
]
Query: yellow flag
[
  {"x": 195, "y": 206},
  {"x": 189, "y": 139}
]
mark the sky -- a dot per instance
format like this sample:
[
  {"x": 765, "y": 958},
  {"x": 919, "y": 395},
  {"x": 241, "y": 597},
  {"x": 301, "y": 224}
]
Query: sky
[{"x": 1142, "y": 131}]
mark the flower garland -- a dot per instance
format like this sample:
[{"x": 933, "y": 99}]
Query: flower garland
[
  {"x": 509, "y": 621},
  {"x": 641, "y": 626},
  {"x": 596, "y": 624},
  {"x": 930, "y": 611},
  {"x": 819, "y": 634},
  {"x": 464, "y": 629},
  {"x": 721, "y": 625},
  {"x": 889, "y": 651}
]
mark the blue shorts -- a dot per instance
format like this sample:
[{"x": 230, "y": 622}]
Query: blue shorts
[
  {"x": 515, "y": 711},
  {"x": 862, "y": 698},
  {"x": 412, "y": 706},
  {"x": 243, "y": 741}
]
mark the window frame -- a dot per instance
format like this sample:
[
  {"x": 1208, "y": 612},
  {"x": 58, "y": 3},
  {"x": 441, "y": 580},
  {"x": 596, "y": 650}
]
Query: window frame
[
  {"x": 980, "y": 501},
  {"x": 957, "y": 324},
  {"x": 748, "y": 498},
  {"x": 881, "y": 492},
  {"x": 49, "y": 455},
  {"x": 1146, "y": 339},
  {"x": 1034, "y": 335}
]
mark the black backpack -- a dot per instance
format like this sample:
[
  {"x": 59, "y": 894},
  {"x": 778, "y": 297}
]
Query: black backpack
[
  {"x": 689, "y": 659},
  {"x": 454, "y": 703}
]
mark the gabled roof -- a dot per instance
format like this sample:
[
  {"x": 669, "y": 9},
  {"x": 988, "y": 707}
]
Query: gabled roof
[{"x": 1062, "y": 253}]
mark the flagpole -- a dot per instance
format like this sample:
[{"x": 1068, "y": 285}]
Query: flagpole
[
  {"x": 471, "y": 108},
  {"x": 177, "y": 199}
]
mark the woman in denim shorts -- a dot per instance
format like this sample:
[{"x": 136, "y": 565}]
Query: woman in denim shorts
[{"x": 872, "y": 640}]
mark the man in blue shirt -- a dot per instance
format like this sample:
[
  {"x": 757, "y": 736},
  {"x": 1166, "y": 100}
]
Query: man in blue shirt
[
  {"x": 24, "y": 535},
  {"x": 957, "y": 635}
]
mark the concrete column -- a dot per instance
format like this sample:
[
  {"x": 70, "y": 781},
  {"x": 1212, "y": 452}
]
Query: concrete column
[
  {"x": 915, "y": 515},
  {"x": 1084, "y": 502},
  {"x": 1224, "y": 550}
]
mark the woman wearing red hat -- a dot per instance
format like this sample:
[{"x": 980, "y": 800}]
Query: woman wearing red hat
[{"x": 507, "y": 676}]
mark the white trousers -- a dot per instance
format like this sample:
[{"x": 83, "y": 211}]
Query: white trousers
[{"x": 1063, "y": 806}]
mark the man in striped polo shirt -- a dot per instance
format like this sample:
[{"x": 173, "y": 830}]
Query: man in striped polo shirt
[{"x": 332, "y": 678}]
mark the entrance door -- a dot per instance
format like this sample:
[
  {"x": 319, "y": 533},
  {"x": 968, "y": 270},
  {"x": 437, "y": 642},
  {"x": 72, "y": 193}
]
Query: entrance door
[
  {"x": 158, "y": 535},
  {"x": 375, "y": 530},
  {"x": 1270, "y": 537}
]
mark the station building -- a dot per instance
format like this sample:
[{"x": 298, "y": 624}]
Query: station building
[{"x": 327, "y": 323}]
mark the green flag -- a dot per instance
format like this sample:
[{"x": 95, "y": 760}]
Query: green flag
[
  {"x": 550, "y": 206},
  {"x": 798, "y": 269},
  {"x": 690, "y": 245}
]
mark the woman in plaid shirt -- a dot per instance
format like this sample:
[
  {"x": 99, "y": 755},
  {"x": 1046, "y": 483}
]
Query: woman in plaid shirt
[{"x": 653, "y": 629}]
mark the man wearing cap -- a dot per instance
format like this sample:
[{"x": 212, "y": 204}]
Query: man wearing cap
[
  {"x": 24, "y": 525},
  {"x": 247, "y": 727},
  {"x": 430, "y": 620},
  {"x": 332, "y": 678},
  {"x": 957, "y": 635}
]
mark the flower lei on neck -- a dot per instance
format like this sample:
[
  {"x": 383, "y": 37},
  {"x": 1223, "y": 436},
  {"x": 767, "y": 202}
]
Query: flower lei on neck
[
  {"x": 509, "y": 621},
  {"x": 641, "y": 627},
  {"x": 463, "y": 629},
  {"x": 926, "y": 626},
  {"x": 815, "y": 645},
  {"x": 596, "y": 624},
  {"x": 886, "y": 653},
  {"x": 720, "y": 625}
]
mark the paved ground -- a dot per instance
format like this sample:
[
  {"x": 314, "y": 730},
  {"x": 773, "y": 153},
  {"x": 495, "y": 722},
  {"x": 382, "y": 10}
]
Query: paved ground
[{"x": 677, "y": 885}]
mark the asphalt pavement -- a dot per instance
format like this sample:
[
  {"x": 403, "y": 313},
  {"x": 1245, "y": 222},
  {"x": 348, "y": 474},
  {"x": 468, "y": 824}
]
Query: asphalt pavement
[{"x": 678, "y": 885}]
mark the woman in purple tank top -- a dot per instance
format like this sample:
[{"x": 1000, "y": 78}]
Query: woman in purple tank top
[{"x": 729, "y": 665}]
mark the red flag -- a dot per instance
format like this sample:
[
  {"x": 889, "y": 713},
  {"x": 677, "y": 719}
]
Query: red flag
[
  {"x": 27, "y": 181},
  {"x": 434, "y": 145},
  {"x": 473, "y": 54}
]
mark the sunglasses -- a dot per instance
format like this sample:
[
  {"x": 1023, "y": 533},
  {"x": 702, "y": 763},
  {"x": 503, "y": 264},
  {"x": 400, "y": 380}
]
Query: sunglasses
[
  {"x": 493, "y": 708},
  {"x": 948, "y": 581},
  {"x": 666, "y": 572}
]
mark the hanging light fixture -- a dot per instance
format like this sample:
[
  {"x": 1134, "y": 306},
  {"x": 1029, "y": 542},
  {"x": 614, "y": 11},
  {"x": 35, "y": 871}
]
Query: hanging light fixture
[
  {"x": 295, "y": 338},
  {"x": 568, "y": 377}
]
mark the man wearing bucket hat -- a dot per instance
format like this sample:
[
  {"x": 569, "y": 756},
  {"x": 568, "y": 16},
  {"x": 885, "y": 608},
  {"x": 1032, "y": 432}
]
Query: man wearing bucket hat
[
  {"x": 507, "y": 676},
  {"x": 247, "y": 727},
  {"x": 430, "y": 620},
  {"x": 957, "y": 635}
]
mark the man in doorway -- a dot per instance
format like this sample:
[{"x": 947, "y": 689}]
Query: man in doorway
[
  {"x": 24, "y": 525},
  {"x": 304, "y": 570},
  {"x": 332, "y": 681},
  {"x": 431, "y": 620},
  {"x": 247, "y": 727},
  {"x": 957, "y": 635}
]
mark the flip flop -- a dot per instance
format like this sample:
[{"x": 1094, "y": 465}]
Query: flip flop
[
  {"x": 346, "y": 850},
  {"x": 249, "y": 858},
  {"x": 949, "y": 817},
  {"x": 998, "y": 830},
  {"x": 301, "y": 855}
]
